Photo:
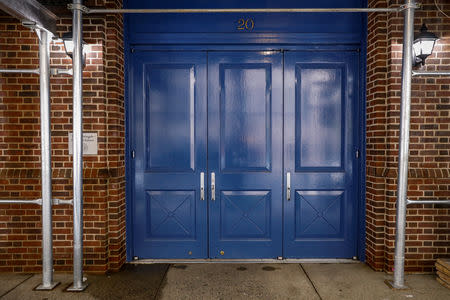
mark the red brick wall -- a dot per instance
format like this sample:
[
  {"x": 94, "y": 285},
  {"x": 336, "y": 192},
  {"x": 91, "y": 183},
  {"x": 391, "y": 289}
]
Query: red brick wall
[
  {"x": 104, "y": 174},
  {"x": 428, "y": 232},
  {"x": 377, "y": 64}
]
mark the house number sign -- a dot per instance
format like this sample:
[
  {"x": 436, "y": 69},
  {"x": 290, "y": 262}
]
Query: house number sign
[{"x": 247, "y": 24}]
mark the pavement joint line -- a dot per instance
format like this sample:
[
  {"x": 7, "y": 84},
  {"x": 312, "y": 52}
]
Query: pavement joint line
[
  {"x": 20, "y": 283},
  {"x": 312, "y": 283},
  {"x": 161, "y": 283}
]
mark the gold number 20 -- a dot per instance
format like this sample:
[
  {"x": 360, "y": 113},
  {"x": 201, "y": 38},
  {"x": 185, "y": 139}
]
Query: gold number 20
[{"x": 246, "y": 24}]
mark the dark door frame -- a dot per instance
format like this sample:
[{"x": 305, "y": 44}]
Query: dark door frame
[{"x": 359, "y": 127}]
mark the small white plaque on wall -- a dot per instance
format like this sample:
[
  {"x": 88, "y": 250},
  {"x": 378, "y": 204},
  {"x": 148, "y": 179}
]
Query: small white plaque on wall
[{"x": 90, "y": 145}]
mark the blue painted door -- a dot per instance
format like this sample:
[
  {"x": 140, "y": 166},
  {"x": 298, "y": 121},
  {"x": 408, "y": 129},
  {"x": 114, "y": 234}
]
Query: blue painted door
[
  {"x": 169, "y": 136},
  {"x": 223, "y": 114},
  {"x": 245, "y": 154},
  {"x": 321, "y": 93}
]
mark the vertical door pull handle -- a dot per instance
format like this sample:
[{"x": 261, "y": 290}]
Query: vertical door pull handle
[
  {"x": 288, "y": 186},
  {"x": 213, "y": 186},
  {"x": 202, "y": 186}
]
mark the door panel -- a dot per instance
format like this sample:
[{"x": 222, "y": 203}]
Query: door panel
[
  {"x": 319, "y": 115},
  {"x": 170, "y": 126},
  {"x": 245, "y": 118},
  {"x": 320, "y": 98},
  {"x": 169, "y": 111},
  {"x": 245, "y": 153}
]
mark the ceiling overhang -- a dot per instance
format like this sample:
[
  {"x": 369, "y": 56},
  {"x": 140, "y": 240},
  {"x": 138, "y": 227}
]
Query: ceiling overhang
[{"x": 30, "y": 11}]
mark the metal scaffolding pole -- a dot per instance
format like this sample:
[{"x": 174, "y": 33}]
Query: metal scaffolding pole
[
  {"x": 35, "y": 16},
  {"x": 55, "y": 201},
  {"x": 20, "y": 71},
  {"x": 430, "y": 73},
  {"x": 77, "y": 61},
  {"x": 46, "y": 168},
  {"x": 19, "y": 201},
  {"x": 405, "y": 119},
  {"x": 442, "y": 202},
  {"x": 231, "y": 10}
]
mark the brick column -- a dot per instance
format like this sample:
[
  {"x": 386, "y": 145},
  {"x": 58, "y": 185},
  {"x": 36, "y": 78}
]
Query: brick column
[{"x": 427, "y": 225}]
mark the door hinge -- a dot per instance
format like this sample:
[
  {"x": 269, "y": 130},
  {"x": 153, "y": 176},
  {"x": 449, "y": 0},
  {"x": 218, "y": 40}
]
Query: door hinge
[
  {"x": 357, "y": 153},
  {"x": 133, "y": 154}
]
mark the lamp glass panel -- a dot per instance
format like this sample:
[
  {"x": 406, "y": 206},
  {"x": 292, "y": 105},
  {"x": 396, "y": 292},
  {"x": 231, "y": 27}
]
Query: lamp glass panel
[
  {"x": 417, "y": 48},
  {"x": 427, "y": 47},
  {"x": 68, "y": 44}
]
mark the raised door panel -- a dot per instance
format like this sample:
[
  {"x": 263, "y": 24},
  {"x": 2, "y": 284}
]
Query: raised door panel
[
  {"x": 319, "y": 103},
  {"x": 318, "y": 214},
  {"x": 245, "y": 215},
  {"x": 245, "y": 117},
  {"x": 170, "y": 215},
  {"x": 170, "y": 108}
]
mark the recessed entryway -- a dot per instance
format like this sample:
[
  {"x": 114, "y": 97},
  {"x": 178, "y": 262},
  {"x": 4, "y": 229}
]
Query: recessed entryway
[{"x": 244, "y": 154}]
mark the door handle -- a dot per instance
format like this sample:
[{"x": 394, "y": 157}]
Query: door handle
[
  {"x": 288, "y": 186},
  {"x": 213, "y": 186},
  {"x": 202, "y": 186}
]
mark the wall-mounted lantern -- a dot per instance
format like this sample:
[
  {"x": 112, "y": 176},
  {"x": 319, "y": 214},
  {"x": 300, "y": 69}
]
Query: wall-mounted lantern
[
  {"x": 423, "y": 45},
  {"x": 68, "y": 46}
]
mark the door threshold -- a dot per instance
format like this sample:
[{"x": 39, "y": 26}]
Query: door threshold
[{"x": 247, "y": 261}]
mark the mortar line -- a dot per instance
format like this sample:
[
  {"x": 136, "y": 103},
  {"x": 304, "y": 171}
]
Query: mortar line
[
  {"x": 12, "y": 289},
  {"x": 312, "y": 283},
  {"x": 161, "y": 283}
]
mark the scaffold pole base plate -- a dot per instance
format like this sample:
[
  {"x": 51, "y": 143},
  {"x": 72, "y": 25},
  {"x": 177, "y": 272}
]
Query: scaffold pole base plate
[
  {"x": 42, "y": 287},
  {"x": 72, "y": 288},
  {"x": 390, "y": 283}
]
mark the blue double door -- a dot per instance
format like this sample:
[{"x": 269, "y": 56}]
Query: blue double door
[{"x": 241, "y": 155}]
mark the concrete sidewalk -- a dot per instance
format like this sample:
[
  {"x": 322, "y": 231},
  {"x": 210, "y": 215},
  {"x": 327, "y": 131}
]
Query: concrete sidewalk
[{"x": 231, "y": 281}]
